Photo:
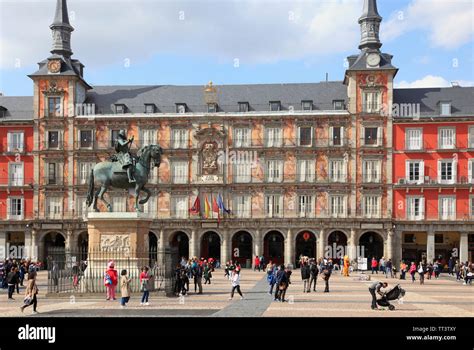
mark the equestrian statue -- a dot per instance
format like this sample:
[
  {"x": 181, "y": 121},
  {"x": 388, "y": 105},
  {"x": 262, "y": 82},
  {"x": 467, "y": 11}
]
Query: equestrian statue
[{"x": 123, "y": 170}]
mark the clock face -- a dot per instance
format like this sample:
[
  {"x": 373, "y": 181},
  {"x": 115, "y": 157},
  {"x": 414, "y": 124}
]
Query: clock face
[
  {"x": 373, "y": 60},
  {"x": 54, "y": 66}
]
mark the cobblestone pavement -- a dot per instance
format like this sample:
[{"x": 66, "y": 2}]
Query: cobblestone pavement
[{"x": 348, "y": 297}]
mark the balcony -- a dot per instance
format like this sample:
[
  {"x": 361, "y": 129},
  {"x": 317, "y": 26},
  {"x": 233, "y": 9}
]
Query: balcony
[
  {"x": 53, "y": 181},
  {"x": 283, "y": 142},
  {"x": 433, "y": 182},
  {"x": 16, "y": 181},
  {"x": 371, "y": 143},
  {"x": 52, "y": 146},
  {"x": 13, "y": 148}
]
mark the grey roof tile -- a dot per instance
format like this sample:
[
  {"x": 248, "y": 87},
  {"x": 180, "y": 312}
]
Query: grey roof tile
[{"x": 17, "y": 108}]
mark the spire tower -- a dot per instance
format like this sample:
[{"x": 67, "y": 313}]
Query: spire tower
[{"x": 61, "y": 30}]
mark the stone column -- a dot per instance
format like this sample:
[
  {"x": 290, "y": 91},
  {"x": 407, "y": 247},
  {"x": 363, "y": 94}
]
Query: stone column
[
  {"x": 193, "y": 244},
  {"x": 33, "y": 253},
  {"x": 351, "y": 245},
  {"x": 289, "y": 248},
  {"x": 464, "y": 247},
  {"x": 3, "y": 245},
  {"x": 257, "y": 250},
  {"x": 397, "y": 249},
  {"x": 430, "y": 246},
  {"x": 69, "y": 237},
  {"x": 389, "y": 245},
  {"x": 161, "y": 248},
  {"x": 321, "y": 243},
  {"x": 225, "y": 247}
]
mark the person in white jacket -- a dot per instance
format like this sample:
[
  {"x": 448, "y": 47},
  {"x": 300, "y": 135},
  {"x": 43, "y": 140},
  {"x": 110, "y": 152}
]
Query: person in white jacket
[{"x": 235, "y": 284}]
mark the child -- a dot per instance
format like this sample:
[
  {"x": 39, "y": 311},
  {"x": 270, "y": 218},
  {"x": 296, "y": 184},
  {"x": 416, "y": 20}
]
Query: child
[
  {"x": 110, "y": 280},
  {"x": 124, "y": 288}
]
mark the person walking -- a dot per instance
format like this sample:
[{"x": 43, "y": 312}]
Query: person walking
[
  {"x": 421, "y": 272},
  {"x": 197, "y": 276},
  {"x": 262, "y": 262},
  {"x": 12, "y": 281},
  {"x": 207, "y": 273},
  {"x": 305, "y": 275},
  {"x": 256, "y": 264},
  {"x": 31, "y": 293},
  {"x": 279, "y": 277},
  {"x": 124, "y": 288},
  {"x": 374, "y": 289},
  {"x": 451, "y": 266},
  {"x": 457, "y": 269},
  {"x": 235, "y": 285},
  {"x": 403, "y": 270},
  {"x": 374, "y": 266},
  {"x": 382, "y": 265},
  {"x": 412, "y": 271},
  {"x": 326, "y": 270},
  {"x": 388, "y": 268},
  {"x": 313, "y": 268},
  {"x": 271, "y": 276},
  {"x": 110, "y": 280},
  {"x": 144, "y": 286}
]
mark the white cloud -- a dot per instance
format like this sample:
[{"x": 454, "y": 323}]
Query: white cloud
[
  {"x": 254, "y": 31},
  {"x": 430, "y": 81},
  {"x": 448, "y": 22}
]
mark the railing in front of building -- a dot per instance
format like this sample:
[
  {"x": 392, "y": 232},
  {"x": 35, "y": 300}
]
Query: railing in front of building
[
  {"x": 14, "y": 148},
  {"x": 53, "y": 181},
  {"x": 371, "y": 143},
  {"x": 17, "y": 181},
  {"x": 435, "y": 217},
  {"x": 403, "y": 181}
]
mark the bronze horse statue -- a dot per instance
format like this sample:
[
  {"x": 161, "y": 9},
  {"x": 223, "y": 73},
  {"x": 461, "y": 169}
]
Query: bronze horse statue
[{"x": 109, "y": 174}]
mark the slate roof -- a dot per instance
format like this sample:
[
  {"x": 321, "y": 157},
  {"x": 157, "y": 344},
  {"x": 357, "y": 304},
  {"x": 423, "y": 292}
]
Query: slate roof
[
  {"x": 17, "y": 108},
  {"x": 461, "y": 98}
]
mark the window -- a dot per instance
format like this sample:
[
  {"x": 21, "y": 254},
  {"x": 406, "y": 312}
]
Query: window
[
  {"x": 179, "y": 138},
  {"x": 413, "y": 139},
  {"x": 470, "y": 172},
  {"x": 84, "y": 172},
  {"x": 371, "y": 101},
  {"x": 336, "y": 135},
  {"x": 54, "y": 207},
  {"x": 119, "y": 204},
  {"x": 113, "y": 136},
  {"x": 85, "y": 138},
  {"x": 305, "y": 206},
  {"x": 307, "y": 105},
  {"x": 274, "y": 170},
  {"x": 150, "y": 108},
  {"x": 439, "y": 238},
  {"x": 16, "y": 174},
  {"x": 471, "y": 206},
  {"x": 415, "y": 208},
  {"x": 15, "y": 141},
  {"x": 53, "y": 175},
  {"x": 147, "y": 137},
  {"x": 409, "y": 238},
  {"x": 445, "y": 108},
  {"x": 274, "y": 205},
  {"x": 471, "y": 137},
  {"x": 371, "y": 206},
  {"x": 15, "y": 208},
  {"x": 120, "y": 109},
  {"x": 337, "y": 206},
  {"x": 150, "y": 207},
  {"x": 447, "y": 208},
  {"x": 273, "y": 137},
  {"x": 338, "y": 105},
  {"x": 54, "y": 140},
  {"x": 54, "y": 106},
  {"x": 337, "y": 171},
  {"x": 179, "y": 207},
  {"x": 305, "y": 135},
  {"x": 243, "y": 107},
  {"x": 242, "y": 137},
  {"x": 275, "y": 106},
  {"x": 306, "y": 170},
  {"x": 179, "y": 172},
  {"x": 81, "y": 207},
  {"x": 415, "y": 171},
  {"x": 242, "y": 206},
  {"x": 447, "y": 138},
  {"x": 211, "y": 107},
  {"x": 371, "y": 171},
  {"x": 447, "y": 170},
  {"x": 181, "y": 108},
  {"x": 242, "y": 172},
  {"x": 372, "y": 136}
]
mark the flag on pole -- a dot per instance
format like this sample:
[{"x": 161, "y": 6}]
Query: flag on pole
[
  {"x": 207, "y": 208},
  {"x": 196, "y": 208},
  {"x": 215, "y": 209},
  {"x": 220, "y": 203}
]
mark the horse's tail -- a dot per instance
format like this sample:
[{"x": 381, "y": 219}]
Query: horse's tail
[{"x": 90, "y": 191}]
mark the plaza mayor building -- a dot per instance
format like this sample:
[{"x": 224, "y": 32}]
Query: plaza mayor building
[{"x": 279, "y": 170}]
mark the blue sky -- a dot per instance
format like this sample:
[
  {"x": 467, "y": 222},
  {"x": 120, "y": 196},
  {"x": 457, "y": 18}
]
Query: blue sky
[{"x": 235, "y": 42}]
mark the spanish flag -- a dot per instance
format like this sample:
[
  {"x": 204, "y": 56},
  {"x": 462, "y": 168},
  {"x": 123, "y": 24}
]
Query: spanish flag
[
  {"x": 215, "y": 208},
  {"x": 207, "y": 209}
]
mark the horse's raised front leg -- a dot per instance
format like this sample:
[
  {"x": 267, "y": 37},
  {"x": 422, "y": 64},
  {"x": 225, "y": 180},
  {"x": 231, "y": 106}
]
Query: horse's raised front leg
[
  {"x": 96, "y": 196},
  {"x": 103, "y": 189},
  {"x": 148, "y": 194},
  {"x": 137, "y": 195}
]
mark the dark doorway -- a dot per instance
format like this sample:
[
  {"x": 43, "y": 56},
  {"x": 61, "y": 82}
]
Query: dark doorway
[
  {"x": 211, "y": 246},
  {"x": 305, "y": 246},
  {"x": 152, "y": 248},
  {"x": 242, "y": 247},
  {"x": 337, "y": 245},
  {"x": 372, "y": 245},
  {"x": 274, "y": 247},
  {"x": 180, "y": 246},
  {"x": 54, "y": 249}
]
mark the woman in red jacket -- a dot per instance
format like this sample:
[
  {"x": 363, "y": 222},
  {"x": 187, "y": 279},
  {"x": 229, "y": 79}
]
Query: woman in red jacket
[
  {"x": 256, "y": 263},
  {"x": 110, "y": 280}
]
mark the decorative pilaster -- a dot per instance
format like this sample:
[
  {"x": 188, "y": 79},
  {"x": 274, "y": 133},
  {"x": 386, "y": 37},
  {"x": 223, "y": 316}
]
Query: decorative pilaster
[
  {"x": 289, "y": 248},
  {"x": 193, "y": 244},
  {"x": 464, "y": 247},
  {"x": 225, "y": 247},
  {"x": 430, "y": 246},
  {"x": 321, "y": 243}
]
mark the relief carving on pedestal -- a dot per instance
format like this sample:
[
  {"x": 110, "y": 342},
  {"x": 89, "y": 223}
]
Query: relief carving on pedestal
[{"x": 115, "y": 243}]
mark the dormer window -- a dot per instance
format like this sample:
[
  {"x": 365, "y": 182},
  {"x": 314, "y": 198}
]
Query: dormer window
[
  {"x": 120, "y": 109},
  {"x": 307, "y": 105},
  {"x": 243, "y": 107},
  {"x": 150, "y": 108},
  {"x": 3, "y": 111},
  {"x": 275, "y": 106},
  {"x": 445, "y": 108},
  {"x": 338, "y": 105},
  {"x": 181, "y": 108},
  {"x": 211, "y": 107}
]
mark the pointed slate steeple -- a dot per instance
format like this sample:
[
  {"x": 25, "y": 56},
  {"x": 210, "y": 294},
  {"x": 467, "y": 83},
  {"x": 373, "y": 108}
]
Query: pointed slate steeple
[
  {"x": 62, "y": 30},
  {"x": 370, "y": 26}
]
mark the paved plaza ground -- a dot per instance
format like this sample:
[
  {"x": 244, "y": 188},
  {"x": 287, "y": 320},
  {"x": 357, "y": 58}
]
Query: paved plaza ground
[{"x": 349, "y": 296}]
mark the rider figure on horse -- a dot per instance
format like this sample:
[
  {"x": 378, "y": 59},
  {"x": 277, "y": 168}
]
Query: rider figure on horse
[{"x": 124, "y": 157}]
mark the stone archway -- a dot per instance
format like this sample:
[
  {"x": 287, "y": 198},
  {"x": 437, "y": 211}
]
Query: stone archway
[
  {"x": 337, "y": 245},
  {"x": 242, "y": 247},
  {"x": 54, "y": 248},
  {"x": 305, "y": 245},
  {"x": 179, "y": 243},
  {"x": 274, "y": 247},
  {"x": 372, "y": 244},
  {"x": 211, "y": 245}
]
